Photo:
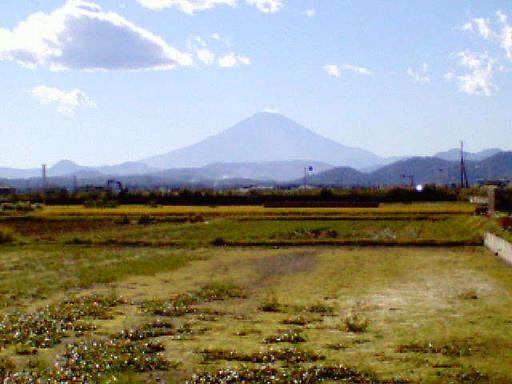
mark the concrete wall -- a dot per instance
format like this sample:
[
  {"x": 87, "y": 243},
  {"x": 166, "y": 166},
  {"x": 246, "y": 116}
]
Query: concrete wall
[{"x": 499, "y": 246}]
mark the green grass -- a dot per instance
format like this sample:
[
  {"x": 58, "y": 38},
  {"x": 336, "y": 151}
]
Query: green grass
[
  {"x": 443, "y": 229},
  {"x": 34, "y": 273}
]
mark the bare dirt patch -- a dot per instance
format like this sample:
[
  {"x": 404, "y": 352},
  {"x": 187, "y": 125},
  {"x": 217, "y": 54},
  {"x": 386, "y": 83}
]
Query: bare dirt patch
[{"x": 284, "y": 264}]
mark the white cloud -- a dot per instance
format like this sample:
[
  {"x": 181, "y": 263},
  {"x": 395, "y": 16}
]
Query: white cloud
[
  {"x": 271, "y": 110},
  {"x": 80, "y": 35},
  {"x": 310, "y": 13},
  {"x": 191, "y": 6},
  {"x": 332, "y": 70},
  {"x": 449, "y": 76},
  {"x": 471, "y": 60},
  {"x": 210, "y": 56},
  {"x": 356, "y": 69},
  {"x": 187, "y": 6},
  {"x": 482, "y": 25},
  {"x": 67, "y": 101},
  {"x": 480, "y": 80},
  {"x": 419, "y": 75},
  {"x": 206, "y": 56},
  {"x": 232, "y": 60},
  {"x": 506, "y": 34},
  {"x": 267, "y": 6}
]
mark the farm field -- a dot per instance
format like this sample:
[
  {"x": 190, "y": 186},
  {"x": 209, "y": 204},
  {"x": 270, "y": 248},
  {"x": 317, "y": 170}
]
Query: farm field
[{"x": 89, "y": 298}]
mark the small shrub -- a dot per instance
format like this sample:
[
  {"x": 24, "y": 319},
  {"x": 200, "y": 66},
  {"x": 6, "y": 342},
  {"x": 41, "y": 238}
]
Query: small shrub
[
  {"x": 124, "y": 220},
  {"x": 145, "y": 219},
  {"x": 270, "y": 304},
  {"x": 298, "y": 320},
  {"x": 6, "y": 235},
  {"x": 298, "y": 375},
  {"x": 292, "y": 336},
  {"x": 356, "y": 323},
  {"x": 219, "y": 242},
  {"x": 90, "y": 203},
  {"x": 6, "y": 366},
  {"x": 24, "y": 206},
  {"x": 469, "y": 295},
  {"x": 24, "y": 349},
  {"x": 320, "y": 308},
  {"x": 288, "y": 355},
  {"x": 196, "y": 218},
  {"x": 7, "y": 207},
  {"x": 455, "y": 348},
  {"x": 219, "y": 291}
]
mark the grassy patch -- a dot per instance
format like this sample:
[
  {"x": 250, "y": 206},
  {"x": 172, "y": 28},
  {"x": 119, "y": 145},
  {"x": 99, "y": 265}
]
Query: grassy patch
[{"x": 32, "y": 273}]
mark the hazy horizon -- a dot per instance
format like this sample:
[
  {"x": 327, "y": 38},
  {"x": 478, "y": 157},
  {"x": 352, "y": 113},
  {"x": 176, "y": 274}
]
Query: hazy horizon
[{"x": 105, "y": 82}]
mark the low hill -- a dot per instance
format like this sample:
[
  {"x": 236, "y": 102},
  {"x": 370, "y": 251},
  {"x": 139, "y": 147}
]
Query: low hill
[{"x": 423, "y": 169}]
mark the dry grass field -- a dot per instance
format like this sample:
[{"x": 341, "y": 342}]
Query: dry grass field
[{"x": 104, "y": 301}]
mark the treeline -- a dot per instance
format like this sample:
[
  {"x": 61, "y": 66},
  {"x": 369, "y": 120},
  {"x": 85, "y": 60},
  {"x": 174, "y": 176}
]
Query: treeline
[{"x": 268, "y": 197}]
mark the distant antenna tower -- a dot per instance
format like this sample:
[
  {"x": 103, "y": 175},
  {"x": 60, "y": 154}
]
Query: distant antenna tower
[
  {"x": 464, "y": 183},
  {"x": 44, "y": 182},
  {"x": 411, "y": 179},
  {"x": 44, "y": 176}
]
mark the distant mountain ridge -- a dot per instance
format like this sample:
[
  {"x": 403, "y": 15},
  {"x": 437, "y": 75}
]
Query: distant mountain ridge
[
  {"x": 70, "y": 168},
  {"x": 271, "y": 148},
  {"x": 454, "y": 154},
  {"x": 423, "y": 170}
]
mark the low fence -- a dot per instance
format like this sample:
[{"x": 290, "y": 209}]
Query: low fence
[{"x": 499, "y": 246}]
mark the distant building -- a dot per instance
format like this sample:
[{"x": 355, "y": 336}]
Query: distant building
[{"x": 6, "y": 191}]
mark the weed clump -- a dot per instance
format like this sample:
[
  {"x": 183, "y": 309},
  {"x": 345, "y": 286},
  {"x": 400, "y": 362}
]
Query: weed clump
[
  {"x": 150, "y": 330},
  {"x": 292, "y": 336},
  {"x": 269, "y": 374},
  {"x": 183, "y": 304},
  {"x": 145, "y": 219},
  {"x": 46, "y": 327},
  {"x": 356, "y": 323},
  {"x": 270, "y": 304},
  {"x": 320, "y": 308},
  {"x": 453, "y": 348},
  {"x": 90, "y": 360},
  {"x": 469, "y": 295},
  {"x": 195, "y": 218},
  {"x": 288, "y": 355},
  {"x": 298, "y": 320},
  {"x": 7, "y": 235},
  {"x": 219, "y": 242},
  {"x": 124, "y": 220}
]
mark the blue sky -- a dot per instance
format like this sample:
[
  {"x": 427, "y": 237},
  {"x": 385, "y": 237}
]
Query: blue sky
[{"x": 109, "y": 81}]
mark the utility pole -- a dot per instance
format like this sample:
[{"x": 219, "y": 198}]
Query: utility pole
[
  {"x": 464, "y": 183},
  {"x": 411, "y": 179},
  {"x": 44, "y": 182},
  {"x": 305, "y": 177}
]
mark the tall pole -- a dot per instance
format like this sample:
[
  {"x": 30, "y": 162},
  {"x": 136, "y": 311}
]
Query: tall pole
[
  {"x": 305, "y": 177},
  {"x": 462, "y": 164},
  {"x": 44, "y": 182},
  {"x": 463, "y": 175}
]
